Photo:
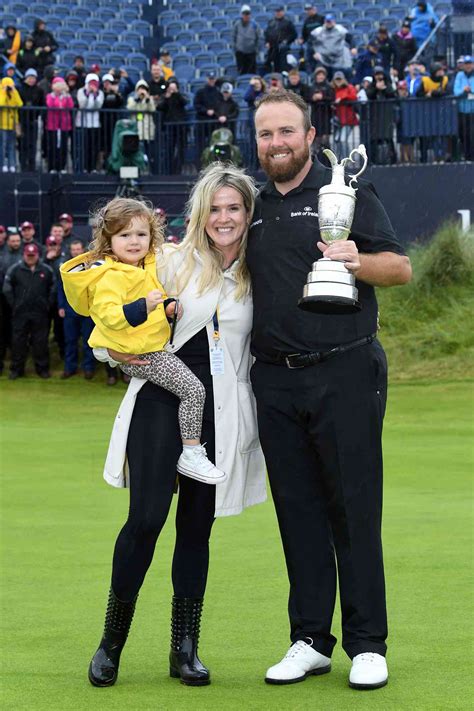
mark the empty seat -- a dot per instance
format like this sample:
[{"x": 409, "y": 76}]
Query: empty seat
[
  {"x": 113, "y": 59},
  {"x": 185, "y": 36},
  {"x": 83, "y": 12},
  {"x": 74, "y": 23},
  {"x": 184, "y": 72},
  {"x": 204, "y": 58},
  {"x": 141, "y": 26},
  {"x": 174, "y": 28}
]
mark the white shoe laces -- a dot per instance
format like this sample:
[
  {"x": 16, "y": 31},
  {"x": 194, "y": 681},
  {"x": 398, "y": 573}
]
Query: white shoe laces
[
  {"x": 367, "y": 657},
  {"x": 296, "y": 649}
]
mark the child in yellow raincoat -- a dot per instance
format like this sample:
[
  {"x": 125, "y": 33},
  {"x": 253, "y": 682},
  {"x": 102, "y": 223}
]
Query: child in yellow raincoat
[
  {"x": 10, "y": 101},
  {"x": 116, "y": 284}
]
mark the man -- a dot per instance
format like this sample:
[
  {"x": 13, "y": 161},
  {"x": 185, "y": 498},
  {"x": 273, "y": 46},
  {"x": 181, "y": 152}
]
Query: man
[
  {"x": 320, "y": 385},
  {"x": 32, "y": 96},
  {"x": 227, "y": 109},
  {"x": 66, "y": 221},
  {"x": 381, "y": 118},
  {"x": 387, "y": 48},
  {"x": 405, "y": 47},
  {"x": 75, "y": 327},
  {"x": 166, "y": 63},
  {"x": 12, "y": 253},
  {"x": 367, "y": 60},
  {"x": 313, "y": 19},
  {"x": 29, "y": 289},
  {"x": 206, "y": 101},
  {"x": 54, "y": 256},
  {"x": 79, "y": 67},
  {"x": 158, "y": 84},
  {"x": 279, "y": 34},
  {"x": 331, "y": 46},
  {"x": 28, "y": 232},
  {"x": 246, "y": 39},
  {"x": 45, "y": 46},
  {"x": 3, "y": 240},
  {"x": 464, "y": 87}
]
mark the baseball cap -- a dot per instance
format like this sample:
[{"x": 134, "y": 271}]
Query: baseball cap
[
  {"x": 329, "y": 17},
  {"x": 164, "y": 52},
  {"x": 26, "y": 225},
  {"x": 141, "y": 82},
  {"x": 91, "y": 77},
  {"x": 95, "y": 68},
  {"x": 108, "y": 77},
  {"x": 379, "y": 70},
  {"x": 308, "y": 5},
  {"x": 339, "y": 75},
  {"x": 31, "y": 72},
  {"x": 279, "y": 8},
  {"x": 369, "y": 79},
  {"x": 227, "y": 86},
  {"x": 468, "y": 59},
  {"x": 3, "y": 228},
  {"x": 211, "y": 75},
  {"x": 30, "y": 249},
  {"x": 406, "y": 23},
  {"x": 245, "y": 9},
  {"x": 65, "y": 217},
  {"x": 51, "y": 241}
]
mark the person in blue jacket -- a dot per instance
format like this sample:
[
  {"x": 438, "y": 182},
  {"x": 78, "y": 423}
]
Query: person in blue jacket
[
  {"x": 423, "y": 19},
  {"x": 464, "y": 87}
]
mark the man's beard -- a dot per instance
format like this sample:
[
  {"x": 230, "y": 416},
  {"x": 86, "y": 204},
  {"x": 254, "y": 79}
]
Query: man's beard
[{"x": 288, "y": 171}]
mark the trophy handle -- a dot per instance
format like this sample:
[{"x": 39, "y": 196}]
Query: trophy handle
[
  {"x": 332, "y": 158},
  {"x": 356, "y": 151}
]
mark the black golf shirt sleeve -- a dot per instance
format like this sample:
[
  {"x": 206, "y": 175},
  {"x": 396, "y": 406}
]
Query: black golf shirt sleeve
[{"x": 282, "y": 245}]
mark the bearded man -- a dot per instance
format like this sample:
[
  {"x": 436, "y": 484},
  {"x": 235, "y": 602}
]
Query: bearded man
[{"x": 320, "y": 384}]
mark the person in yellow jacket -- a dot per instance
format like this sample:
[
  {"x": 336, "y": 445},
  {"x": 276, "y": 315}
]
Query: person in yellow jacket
[
  {"x": 116, "y": 285},
  {"x": 10, "y": 101}
]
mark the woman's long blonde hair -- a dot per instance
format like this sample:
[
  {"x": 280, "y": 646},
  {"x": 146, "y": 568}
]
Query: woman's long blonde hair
[
  {"x": 212, "y": 179},
  {"x": 115, "y": 216}
]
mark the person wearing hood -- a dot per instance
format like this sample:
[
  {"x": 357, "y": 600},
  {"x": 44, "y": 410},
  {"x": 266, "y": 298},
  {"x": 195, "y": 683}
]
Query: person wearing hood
[
  {"x": 464, "y": 89},
  {"x": 386, "y": 47},
  {"x": 113, "y": 101},
  {"x": 382, "y": 148},
  {"x": 90, "y": 100},
  {"x": 345, "y": 117},
  {"x": 9, "y": 70},
  {"x": 32, "y": 96},
  {"x": 10, "y": 101},
  {"x": 173, "y": 110},
  {"x": 405, "y": 47},
  {"x": 72, "y": 81},
  {"x": 143, "y": 108},
  {"x": 45, "y": 83},
  {"x": 80, "y": 68},
  {"x": 434, "y": 86},
  {"x": 58, "y": 124},
  {"x": 321, "y": 98},
  {"x": 44, "y": 44},
  {"x": 12, "y": 43},
  {"x": 423, "y": 19},
  {"x": 27, "y": 57}
]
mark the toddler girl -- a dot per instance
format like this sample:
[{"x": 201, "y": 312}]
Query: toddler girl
[{"x": 116, "y": 284}]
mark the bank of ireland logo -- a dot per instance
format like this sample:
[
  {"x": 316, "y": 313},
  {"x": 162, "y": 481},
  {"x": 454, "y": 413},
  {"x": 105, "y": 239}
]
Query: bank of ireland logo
[{"x": 307, "y": 208}]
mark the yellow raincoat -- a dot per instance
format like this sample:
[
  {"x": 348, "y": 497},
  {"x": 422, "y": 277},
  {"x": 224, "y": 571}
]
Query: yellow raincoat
[
  {"x": 12, "y": 100},
  {"x": 102, "y": 291}
]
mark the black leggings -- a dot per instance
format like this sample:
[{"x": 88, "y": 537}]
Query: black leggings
[{"x": 153, "y": 448}]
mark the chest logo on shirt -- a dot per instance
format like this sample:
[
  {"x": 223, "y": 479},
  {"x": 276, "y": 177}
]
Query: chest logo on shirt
[
  {"x": 307, "y": 211},
  {"x": 254, "y": 224}
]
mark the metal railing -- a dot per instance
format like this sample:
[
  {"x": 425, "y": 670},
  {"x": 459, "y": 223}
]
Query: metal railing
[{"x": 396, "y": 131}]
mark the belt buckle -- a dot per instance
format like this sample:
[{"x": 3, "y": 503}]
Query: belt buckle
[{"x": 288, "y": 364}]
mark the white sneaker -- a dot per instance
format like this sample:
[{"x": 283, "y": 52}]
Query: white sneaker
[
  {"x": 300, "y": 661},
  {"x": 194, "y": 463},
  {"x": 5, "y": 169},
  {"x": 369, "y": 671}
]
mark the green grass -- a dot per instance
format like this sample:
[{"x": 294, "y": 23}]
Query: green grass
[{"x": 59, "y": 525}]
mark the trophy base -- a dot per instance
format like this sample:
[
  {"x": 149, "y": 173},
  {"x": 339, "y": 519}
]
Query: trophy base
[{"x": 329, "y": 304}]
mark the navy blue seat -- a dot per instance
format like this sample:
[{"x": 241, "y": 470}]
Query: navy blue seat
[
  {"x": 398, "y": 11},
  {"x": 99, "y": 46},
  {"x": 204, "y": 58},
  {"x": 93, "y": 57},
  {"x": 118, "y": 26},
  {"x": 128, "y": 14},
  {"x": 225, "y": 58},
  {"x": 373, "y": 13},
  {"x": 135, "y": 40},
  {"x": 138, "y": 59},
  {"x": 121, "y": 47},
  {"x": 167, "y": 16},
  {"x": 204, "y": 69},
  {"x": 134, "y": 72},
  {"x": 114, "y": 59},
  {"x": 87, "y": 36},
  {"x": 67, "y": 58},
  {"x": 73, "y": 23},
  {"x": 66, "y": 36},
  {"x": 18, "y": 9},
  {"x": 78, "y": 46},
  {"x": 182, "y": 58},
  {"x": 172, "y": 47},
  {"x": 184, "y": 72},
  {"x": 173, "y": 28},
  {"x": 83, "y": 12},
  {"x": 207, "y": 35},
  {"x": 184, "y": 37},
  {"x": 220, "y": 23},
  {"x": 195, "y": 47},
  {"x": 102, "y": 14},
  {"x": 41, "y": 9},
  {"x": 141, "y": 26},
  {"x": 363, "y": 26},
  {"x": 8, "y": 19},
  {"x": 217, "y": 45}
]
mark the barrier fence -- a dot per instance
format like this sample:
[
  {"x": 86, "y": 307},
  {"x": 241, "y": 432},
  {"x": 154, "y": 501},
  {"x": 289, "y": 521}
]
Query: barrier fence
[{"x": 397, "y": 131}]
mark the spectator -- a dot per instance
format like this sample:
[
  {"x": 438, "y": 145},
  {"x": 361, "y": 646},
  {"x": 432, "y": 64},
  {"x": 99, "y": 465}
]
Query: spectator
[
  {"x": 126, "y": 85},
  {"x": 331, "y": 46},
  {"x": 12, "y": 253},
  {"x": 296, "y": 85},
  {"x": 221, "y": 149},
  {"x": 10, "y": 101},
  {"x": 5, "y": 311},
  {"x": 279, "y": 34},
  {"x": 27, "y": 58},
  {"x": 345, "y": 117},
  {"x": 464, "y": 87},
  {"x": 246, "y": 40},
  {"x": 32, "y": 97},
  {"x": 362, "y": 93},
  {"x": 173, "y": 110},
  {"x": 275, "y": 82},
  {"x": 29, "y": 288},
  {"x": 28, "y": 232},
  {"x": 434, "y": 86},
  {"x": 72, "y": 81},
  {"x": 405, "y": 142},
  {"x": 423, "y": 20},
  {"x": 368, "y": 60},
  {"x": 322, "y": 97},
  {"x": 63, "y": 230},
  {"x": 10, "y": 71},
  {"x": 387, "y": 48},
  {"x": 113, "y": 102},
  {"x": 312, "y": 21},
  {"x": 143, "y": 108},
  {"x": 80, "y": 68},
  {"x": 45, "y": 84},
  {"x": 257, "y": 87},
  {"x": 412, "y": 77},
  {"x": 227, "y": 109},
  {"x": 58, "y": 125},
  {"x": 3, "y": 240},
  {"x": 158, "y": 84},
  {"x": 45, "y": 45},
  {"x": 75, "y": 327},
  {"x": 405, "y": 47},
  {"x": 381, "y": 149},
  {"x": 206, "y": 101},
  {"x": 54, "y": 257},
  {"x": 12, "y": 43},
  {"x": 166, "y": 63},
  {"x": 90, "y": 99}
]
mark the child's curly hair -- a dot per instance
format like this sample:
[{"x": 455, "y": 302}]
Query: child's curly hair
[{"x": 115, "y": 216}]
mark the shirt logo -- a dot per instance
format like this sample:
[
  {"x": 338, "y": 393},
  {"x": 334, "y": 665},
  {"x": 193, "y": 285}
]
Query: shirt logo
[
  {"x": 308, "y": 209},
  {"x": 254, "y": 224},
  {"x": 307, "y": 212}
]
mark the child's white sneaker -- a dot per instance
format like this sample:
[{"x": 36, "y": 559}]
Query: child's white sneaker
[{"x": 194, "y": 463}]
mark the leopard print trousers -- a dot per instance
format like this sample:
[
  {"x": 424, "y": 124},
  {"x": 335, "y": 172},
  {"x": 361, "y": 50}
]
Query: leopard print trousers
[{"x": 169, "y": 372}]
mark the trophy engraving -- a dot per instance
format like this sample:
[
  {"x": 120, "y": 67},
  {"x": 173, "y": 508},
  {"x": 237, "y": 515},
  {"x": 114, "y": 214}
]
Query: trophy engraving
[{"x": 330, "y": 287}]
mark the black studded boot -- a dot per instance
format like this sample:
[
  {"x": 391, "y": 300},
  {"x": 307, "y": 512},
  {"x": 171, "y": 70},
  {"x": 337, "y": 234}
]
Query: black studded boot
[
  {"x": 185, "y": 623},
  {"x": 103, "y": 669}
]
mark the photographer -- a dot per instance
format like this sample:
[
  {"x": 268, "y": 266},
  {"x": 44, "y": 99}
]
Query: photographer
[
  {"x": 143, "y": 108},
  {"x": 158, "y": 84}
]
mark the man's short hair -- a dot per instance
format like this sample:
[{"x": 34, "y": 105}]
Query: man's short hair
[
  {"x": 76, "y": 241},
  {"x": 283, "y": 96}
]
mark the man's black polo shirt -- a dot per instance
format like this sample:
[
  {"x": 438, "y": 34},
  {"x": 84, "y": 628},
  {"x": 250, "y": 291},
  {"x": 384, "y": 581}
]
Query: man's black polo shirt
[{"x": 281, "y": 249}]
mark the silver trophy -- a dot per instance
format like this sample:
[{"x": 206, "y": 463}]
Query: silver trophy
[{"x": 330, "y": 287}]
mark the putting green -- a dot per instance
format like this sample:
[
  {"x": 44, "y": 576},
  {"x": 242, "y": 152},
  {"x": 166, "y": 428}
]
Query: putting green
[{"x": 59, "y": 525}]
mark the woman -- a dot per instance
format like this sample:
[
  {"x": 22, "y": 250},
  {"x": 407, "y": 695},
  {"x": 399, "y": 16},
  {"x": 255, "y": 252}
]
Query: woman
[
  {"x": 345, "y": 117},
  {"x": 209, "y": 274},
  {"x": 58, "y": 124}
]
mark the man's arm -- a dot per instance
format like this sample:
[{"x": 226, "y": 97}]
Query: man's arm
[{"x": 380, "y": 269}]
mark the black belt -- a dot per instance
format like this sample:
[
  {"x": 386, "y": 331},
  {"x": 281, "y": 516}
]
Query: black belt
[{"x": 303, "y": 360}]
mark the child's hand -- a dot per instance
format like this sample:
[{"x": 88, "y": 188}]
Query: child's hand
[{"x": 153, "y": 298}]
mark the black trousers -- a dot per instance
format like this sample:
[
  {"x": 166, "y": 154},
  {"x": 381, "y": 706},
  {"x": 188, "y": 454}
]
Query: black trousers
[
  {"x": 320, "y": 429},
  {"x": 246, "y": 62},
  {"x": 30, "y": 328},
  {"x": 153, "y": 449}
]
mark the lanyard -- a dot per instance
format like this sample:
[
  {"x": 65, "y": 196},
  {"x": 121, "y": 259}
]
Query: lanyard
[{"x": 215, "y": 322}]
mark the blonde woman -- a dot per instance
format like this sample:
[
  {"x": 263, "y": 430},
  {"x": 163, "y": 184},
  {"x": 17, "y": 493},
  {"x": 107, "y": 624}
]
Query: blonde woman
[{"x": 209, "y": 276}]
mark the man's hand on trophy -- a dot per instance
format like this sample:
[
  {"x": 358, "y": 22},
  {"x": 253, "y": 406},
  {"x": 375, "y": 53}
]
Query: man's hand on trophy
[{"x": 342, "y": 251}]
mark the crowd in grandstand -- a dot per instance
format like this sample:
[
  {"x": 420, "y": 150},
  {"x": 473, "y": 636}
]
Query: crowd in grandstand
[{"x": 355, "y": 93}]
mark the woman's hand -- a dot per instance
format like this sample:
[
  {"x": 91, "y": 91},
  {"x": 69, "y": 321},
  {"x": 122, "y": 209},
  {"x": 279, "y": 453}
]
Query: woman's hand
[{"x": 128, "y": 358}]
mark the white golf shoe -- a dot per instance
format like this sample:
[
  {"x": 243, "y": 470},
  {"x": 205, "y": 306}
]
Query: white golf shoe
[
  {"x": 300, "y": 661},
  {"x": 369, "y": 671},
  {"x": 194, "y": 463}
]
